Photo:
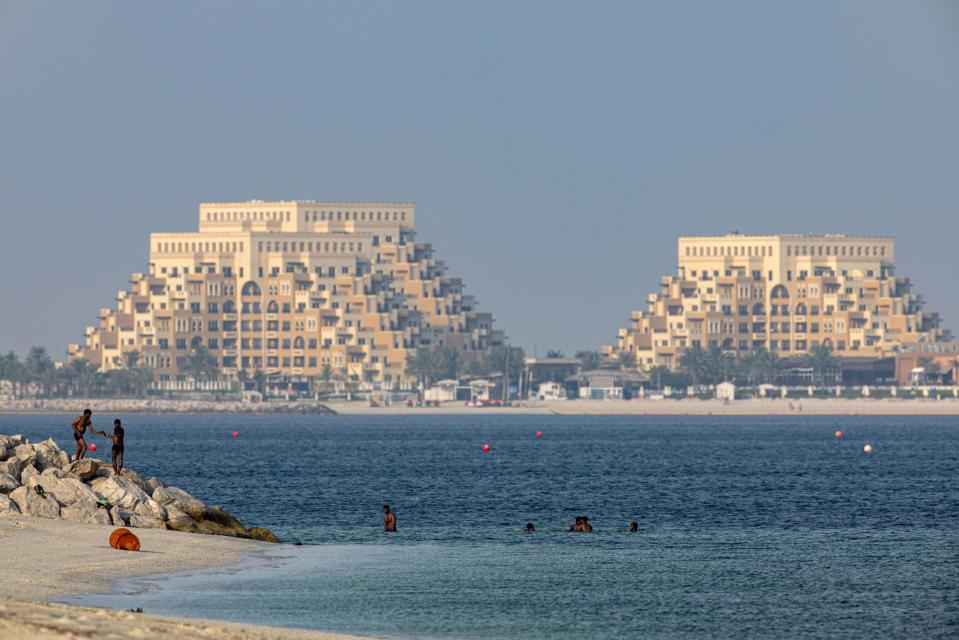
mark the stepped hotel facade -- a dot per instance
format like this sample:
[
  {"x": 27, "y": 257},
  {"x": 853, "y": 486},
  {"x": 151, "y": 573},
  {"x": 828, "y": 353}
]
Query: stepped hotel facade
[{"x": 291, "y": 288}]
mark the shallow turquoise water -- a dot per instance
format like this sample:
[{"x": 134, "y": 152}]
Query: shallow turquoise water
[{"x": 758, "y": 527}]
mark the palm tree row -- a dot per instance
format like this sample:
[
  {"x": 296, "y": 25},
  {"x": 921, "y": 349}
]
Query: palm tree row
[
  {"x": 713, "y": 365},
  {"x": 37, "y": 375},
  {"x": 430, "y": 364}
]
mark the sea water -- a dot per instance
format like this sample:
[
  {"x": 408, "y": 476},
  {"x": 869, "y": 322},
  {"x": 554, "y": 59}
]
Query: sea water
[{"x": 749, "y": 527}]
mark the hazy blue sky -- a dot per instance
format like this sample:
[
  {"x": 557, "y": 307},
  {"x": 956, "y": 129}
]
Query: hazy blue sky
[{"x": 554, "y": 150}]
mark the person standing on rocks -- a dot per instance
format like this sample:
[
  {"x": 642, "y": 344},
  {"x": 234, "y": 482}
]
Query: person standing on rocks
[
  {"x": 117, "y": 452},
  {"x": 80, "y": 424},
  {"x": 389, "y": 519}
]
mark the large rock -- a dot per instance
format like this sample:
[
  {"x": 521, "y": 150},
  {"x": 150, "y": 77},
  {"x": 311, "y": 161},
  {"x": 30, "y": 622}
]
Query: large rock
[
  {"x": 7, "y": 505},
  {"x": 151, "y": 509},
  {"x": 119, "y": 491},
  {"x": 153, "y": 484},
  {"x": 7, "y": 482},
  {"x": 13, "y": 466},
  {"x": 29, "y": 474},
  {"x": 31, "y": 504},
  {"x": 146, "y": 522},
  {"x": 167, "y": 496},
  {"x": 262, "y": 533},
  {"x": 26, "y": 453},
  {"x": 10, "y": 442},
  {"x": 182, "y": 522},
  {"x": 85, "y": 469},
  {"x": 77, "y": 500},
  {"x": 116, "y": 517},
  {"x": 49, "y": 454},
  {"x": 216, "y": 529}
]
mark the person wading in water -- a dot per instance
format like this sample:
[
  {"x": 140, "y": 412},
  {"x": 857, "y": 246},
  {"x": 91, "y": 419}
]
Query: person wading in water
[
  {"x": 389, "y": 519},
  {"x": 80, "y": 424}
]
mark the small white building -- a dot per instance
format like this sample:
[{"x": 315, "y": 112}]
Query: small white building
[
  {"x": 442, "y": 391},
  {"x": 480, "y": 389},
  {"x": 551, "y": 391},
  {"x": 726, "y": 391}
]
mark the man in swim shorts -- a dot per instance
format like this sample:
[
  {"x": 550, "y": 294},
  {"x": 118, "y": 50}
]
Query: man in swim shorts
[
  {"x": 117, "y": 452},
  {"x": 80, "y": 424},
  {"x": 389, "y": 519}
]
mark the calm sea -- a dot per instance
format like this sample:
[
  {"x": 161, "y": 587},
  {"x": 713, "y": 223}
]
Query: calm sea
[{"x": 749, "y": 527}]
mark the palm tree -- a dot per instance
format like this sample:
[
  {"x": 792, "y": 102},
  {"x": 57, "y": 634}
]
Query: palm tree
[
  {"x": 693, "y": 362},
  {"x": 201, "y": 364},
  {"x": 507, "y": 361},
  {"x": 424, "y": 364},
  {"x": 12, "y": 369},
  {"x": 450, "y": 362},
  {"x": 627, "y": 360},
  {"x": 259, "y": 381},
  {"x": 719, "y": 365},
  {"x": 39, "y": 366},
  {"x": 930, "y": 367},
  {"x": 823, "y": 360},
  {"x": 326, "y": 373},
  {"x": 589, "y": 360},
  {"x": 765, "y": 365},
  {"x": 555, "y": 353}
]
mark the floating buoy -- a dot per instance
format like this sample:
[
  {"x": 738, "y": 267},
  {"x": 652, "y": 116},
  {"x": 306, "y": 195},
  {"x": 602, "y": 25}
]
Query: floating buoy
[
  {"x": 485, "y": 448},
  {"x": 124, "y": 540},
  {"x": 838, "y": 434},
  {"x": 236, "y": 434},
  {"x": 867, "y": 448},
  {"x": 92, "y": 447},
  {"x": 539, "y": 434}
]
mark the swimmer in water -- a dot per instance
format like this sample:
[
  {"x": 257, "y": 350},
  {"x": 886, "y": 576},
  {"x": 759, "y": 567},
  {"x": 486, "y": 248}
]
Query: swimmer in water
[
  {"x": 529, "y": 528},
  {"x": 389, "y": 519},
  {"x": 633, "y": 527}
]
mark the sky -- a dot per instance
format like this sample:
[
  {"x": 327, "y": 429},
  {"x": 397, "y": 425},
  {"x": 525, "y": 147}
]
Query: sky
[{"x": 554, "y": 150}]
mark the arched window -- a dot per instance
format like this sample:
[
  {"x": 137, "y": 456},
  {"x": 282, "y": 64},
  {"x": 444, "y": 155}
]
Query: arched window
[
  {"x": 728, "y": 343},
  {"x": 298, "y": 343},
  {"x": 758, "y": 309},
  {"x": 801, "y": 309},
  {"x": 827, "y": 343},
  {"x": 229, "y": 307},
  {"x": 779, "y": 291},
  {"x": 272, "y": 307},
  {"x": 251, "y": 289},
  {"x": 196, "y": 342}
]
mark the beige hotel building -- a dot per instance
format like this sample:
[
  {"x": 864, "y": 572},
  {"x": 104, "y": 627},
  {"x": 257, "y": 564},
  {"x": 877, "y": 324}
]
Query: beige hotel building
[
  {"x": 785, "y": 293},
  {"x": 287, "y": 288}
]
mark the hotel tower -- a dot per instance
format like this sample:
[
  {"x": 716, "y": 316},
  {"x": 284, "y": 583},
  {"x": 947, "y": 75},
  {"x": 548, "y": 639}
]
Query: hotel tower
[
  {"x": 785, "y": 293},
  {"x": 291, "y": 288}
]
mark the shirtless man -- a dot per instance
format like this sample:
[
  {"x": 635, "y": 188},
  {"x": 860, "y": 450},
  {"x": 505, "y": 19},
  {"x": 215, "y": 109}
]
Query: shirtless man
[
  {"x": 389, "y": 519},
  {"x": 117, "y": 452},
  {"x": 80, "y": 424}
]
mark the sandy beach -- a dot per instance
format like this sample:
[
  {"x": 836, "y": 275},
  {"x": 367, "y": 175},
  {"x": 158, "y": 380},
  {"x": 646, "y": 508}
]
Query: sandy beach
[
  {"x": 646, "y": 407},
  {"x": 45, "y": 560}
]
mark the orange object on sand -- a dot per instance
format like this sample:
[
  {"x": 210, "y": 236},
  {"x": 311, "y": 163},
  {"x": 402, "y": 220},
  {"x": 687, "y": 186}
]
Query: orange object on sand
[{"x": 125, "y": 540}]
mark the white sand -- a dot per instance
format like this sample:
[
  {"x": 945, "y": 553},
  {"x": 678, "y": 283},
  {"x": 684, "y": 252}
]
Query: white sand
[
  {"x": 45, "y": 559},
  {"x": 765, "y": 407}
]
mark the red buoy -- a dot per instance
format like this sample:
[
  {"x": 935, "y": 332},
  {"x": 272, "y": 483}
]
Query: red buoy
[
  {"x": 236, "y": 434},
  {"x": 838, "y": 434},
  {"x": 92, "y": 447},
  {"x": 485, "y": 448},
  {"x": 539, "y": 434}
]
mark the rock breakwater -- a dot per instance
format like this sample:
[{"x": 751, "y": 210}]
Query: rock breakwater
[{"x": 39, "y": 480}]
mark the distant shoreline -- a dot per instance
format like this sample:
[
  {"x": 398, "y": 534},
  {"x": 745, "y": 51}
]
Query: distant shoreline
[{"x": 638, "y": 407}]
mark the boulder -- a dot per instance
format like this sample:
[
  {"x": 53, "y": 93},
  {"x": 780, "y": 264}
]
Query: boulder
[
  {"x": 136, "y": 479},
  {"x": 49, "y": 454},
  {"x": 85, "y": 469},
  {"x": 262, "y": 533},
  {"x": 26, "y": 453},
  {"x": 119, "y": 491},
  {"x": 13, "y": 466},
  {"x": 146, "y": 522},
  {"x": 177, "y": 497},
  {"x": 216, "y": 529},
  {"x": 153, "y": 484},
  {"x": 10, "y": 442},
  {"x": 7, "y": 482},
  {"x": 183, "y": 523},
  {"x": 77, "y": 500},
  {"x": 7, "y": 505},
  {"x": 151, "y": 509},
  {"x": 28, "y": 474},
  {"x": 31, "y": 504},
  {"x": 116, "y": 518}
]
